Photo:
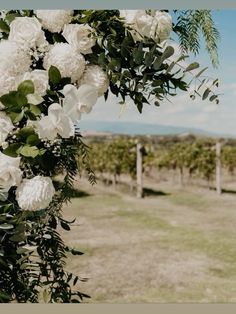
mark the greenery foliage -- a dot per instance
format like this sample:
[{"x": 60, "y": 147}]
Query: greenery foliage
[{"x": 32, "y": 253}]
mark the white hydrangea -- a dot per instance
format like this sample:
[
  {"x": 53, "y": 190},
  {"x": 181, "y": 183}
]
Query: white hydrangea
[
  {"x": 56, "y": 122},
  {"x": 27, "y": 32},
  {"x": 13, "y": 59},
  {"x": 40, "y": 80},
  {"x": 54, "y": 20},
  {"x": 69, "y": 62},
  {"x": 7, "y": 84},
  {"x": 78, "y": 100},
  {"x": 94, "y": 75},
  {"x": 35, "y": 194},
  {"x": 6, "y": 127},
  {"x": 10, "y": 173},
  {"x": 80, "y": 36}
]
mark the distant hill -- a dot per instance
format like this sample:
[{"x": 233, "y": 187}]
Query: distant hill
[{"x": 133, "y": 128}]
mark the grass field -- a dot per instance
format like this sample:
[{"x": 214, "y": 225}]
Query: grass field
[{"x": 174, "y": 245}]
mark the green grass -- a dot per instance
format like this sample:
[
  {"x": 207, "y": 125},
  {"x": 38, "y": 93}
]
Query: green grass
[{"x": 178, "y": 247}]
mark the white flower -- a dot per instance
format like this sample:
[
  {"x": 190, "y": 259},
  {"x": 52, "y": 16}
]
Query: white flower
[
  {"x": 10, "y": 173},
  {"x": 56, "y": 122},
  {"x": 7, "y": 84},
  {"x": 6, "y": 127},
  {"x": 35, "y": 194},
  {"x": 80, "y": 37},
  {"x": 78, "y": 100},
  {"x": 164, "y": 25},
  {"x": 69, "y": 62},
  {"x": 40, "y": 80},
  {"x": 27, "y": 32},
  {"x": 13, "y": 59},
  {"x": 54, "y": 20},
  {"x": 130, "y": 15},
  {"x": 157, "y": 27},
  {"x": 94, "y": 75},
  {"x": 145, "y": 24}
]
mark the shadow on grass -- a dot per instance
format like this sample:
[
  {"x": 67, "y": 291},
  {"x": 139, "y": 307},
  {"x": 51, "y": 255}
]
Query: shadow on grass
[
  {"x": 72, "y": 192},
  {"x": 151, "y": 192},
  {"x": 225, "y": 191},
  {"x": 228, "y": 191}
]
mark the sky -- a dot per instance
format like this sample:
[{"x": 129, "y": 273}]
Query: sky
[{"x": 183, "y": 111}]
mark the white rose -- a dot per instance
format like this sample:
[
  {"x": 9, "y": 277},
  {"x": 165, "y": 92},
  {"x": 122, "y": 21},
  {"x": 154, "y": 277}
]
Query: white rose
[
  {"x": 94, "y": 75},
  {"x": 69, "y": 62},
  {"x": 40, "y": 80},
  {"x": 164, "y": 25},
  {"x": 35, "y": 194},
  {"x": 78, "y": 100},
  {"x": 130, "y": 15},
  {"x": 130, "y": 19},
  {"x": 6, "y": 127},
  {"x": 80, "y": 37},
  {"x": 56, "y": 122},
  {"x": 157, "y": 27},
  {"x": 13, "y": 59},
  {"x": 10, "y": 173},
  {"x": 145, "y": 24},
  {"x": 54, "y": 20},
  {"x": 27, "y": 32}
]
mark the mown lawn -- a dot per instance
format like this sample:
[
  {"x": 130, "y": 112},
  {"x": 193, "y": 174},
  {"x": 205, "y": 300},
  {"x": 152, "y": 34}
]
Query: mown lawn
[{"x": 172, "y": 246}]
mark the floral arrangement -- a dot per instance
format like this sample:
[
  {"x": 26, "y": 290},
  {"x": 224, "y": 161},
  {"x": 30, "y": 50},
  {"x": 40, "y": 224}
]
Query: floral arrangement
[{"x": 54, "y": 66}]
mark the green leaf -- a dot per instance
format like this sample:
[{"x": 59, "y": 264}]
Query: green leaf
[
  {"x": 206, "y": 93},
  {"x": 35, "y": 110},
  {"x": 157, "y": 63},
  {"x": 4, "y": 297},
  {"x": 192, "y": 66},
  {"x": 200, "y": 73},
  {"x": 45, "y": 296},
  {"x": 102, "y": 59},
  {"x": 11, "y": 16},
  {"x": 4, "y": 27},
  {"x": 213, "y": 97},
  {"x": 54, "y": 75},
  {"x": 21, "y": 100},
  {"x": 9, "y": 100},
  {"x": 16, "y": 117},
  {"x": 168, "y": 52},
  {"x": 157, "y": 82},
  {"x": 65, "y": 226},
  {"x": 76, "y": 252},
  {"x": 26, "y": 87},
  {"x": 26, "y": 132},
  {"x": 148, "y": 59},
  {"x": 29, "y": 151},
  {"x": 12, "y": 150},
  {"x": 18, "y": 237},
  {"x": 138, "y": 54},
  {"x": 6, "y": 226},
  {"x": 33, "y": 139},
  {"x": 58, "y": 38}
]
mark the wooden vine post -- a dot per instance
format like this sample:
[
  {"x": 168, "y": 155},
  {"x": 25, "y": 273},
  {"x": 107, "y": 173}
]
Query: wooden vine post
[
  {"x": 218, "y": 168},
  {"x": 139, "y": 170}
]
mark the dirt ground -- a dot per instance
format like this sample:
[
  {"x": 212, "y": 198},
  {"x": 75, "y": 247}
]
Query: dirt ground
[{"x": 175, "y": 245}]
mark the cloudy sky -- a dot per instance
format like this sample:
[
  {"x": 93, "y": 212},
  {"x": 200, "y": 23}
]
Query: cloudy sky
[{"x": 183, "y": 111}]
